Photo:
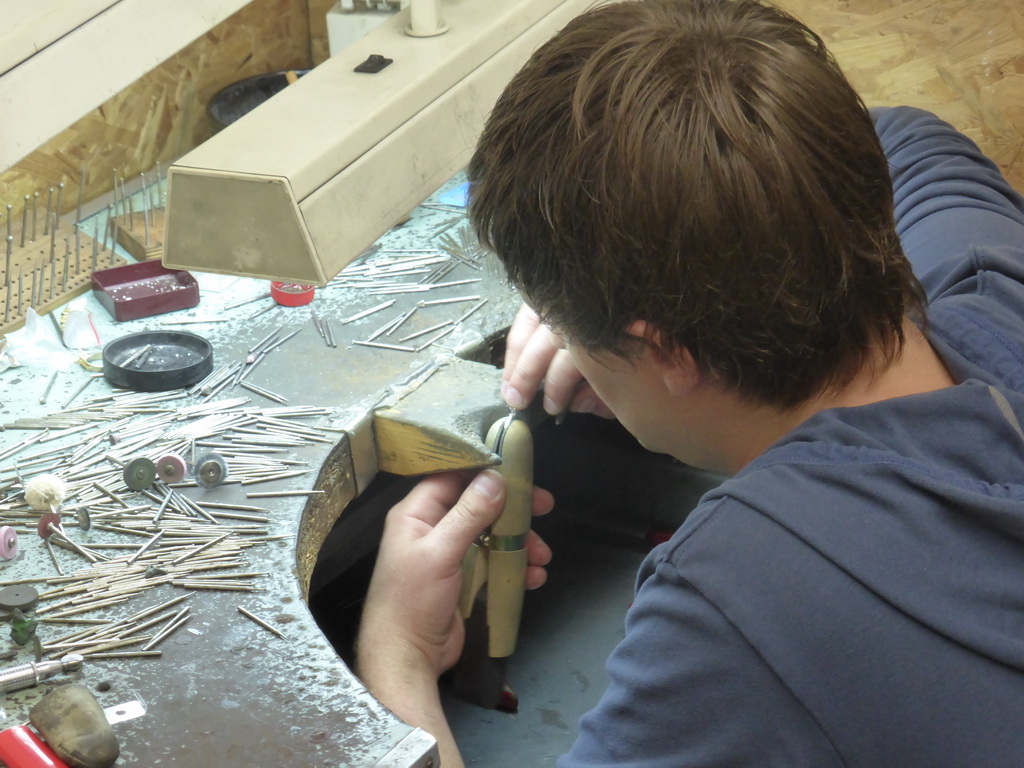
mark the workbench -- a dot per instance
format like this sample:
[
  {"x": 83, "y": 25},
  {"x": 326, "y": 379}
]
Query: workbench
[
  {"x": 224, "y": 689},
  {"x": 228, "y": 691}
]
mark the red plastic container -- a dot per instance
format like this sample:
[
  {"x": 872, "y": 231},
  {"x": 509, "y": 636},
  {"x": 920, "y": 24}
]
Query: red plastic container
[
  {"x": 291, "y": 294},
  {"x": 144, "y": 289}
]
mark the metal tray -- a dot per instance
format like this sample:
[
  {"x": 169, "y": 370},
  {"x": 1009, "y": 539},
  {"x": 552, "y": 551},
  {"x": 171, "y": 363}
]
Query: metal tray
[{"x": 144, "y": 289}]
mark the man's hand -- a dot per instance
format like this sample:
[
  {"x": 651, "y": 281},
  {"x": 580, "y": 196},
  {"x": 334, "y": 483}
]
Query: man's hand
[
  {"x": 411, "y": 630},
  {"x": 535, "y": 355}
]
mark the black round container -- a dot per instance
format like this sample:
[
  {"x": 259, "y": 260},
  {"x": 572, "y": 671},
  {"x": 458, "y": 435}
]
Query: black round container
[
  {"x": 175, "y": 359},
  {"x": 235, "y": 100}
]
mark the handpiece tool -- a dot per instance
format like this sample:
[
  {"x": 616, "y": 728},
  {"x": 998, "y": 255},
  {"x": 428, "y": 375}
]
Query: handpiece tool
[
  {"x": 494, "y": 576},
  {"x": 35, "y": 672},
  {"x": 499, "y": 560}
]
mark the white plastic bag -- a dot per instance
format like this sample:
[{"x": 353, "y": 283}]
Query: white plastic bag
[{"x": 37, "y": 346}]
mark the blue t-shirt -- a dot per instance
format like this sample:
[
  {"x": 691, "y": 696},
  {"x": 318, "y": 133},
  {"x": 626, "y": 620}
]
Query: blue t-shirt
[{"x": 855, "y": 596}]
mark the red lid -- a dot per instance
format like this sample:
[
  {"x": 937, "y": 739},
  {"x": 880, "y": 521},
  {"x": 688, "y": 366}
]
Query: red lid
[{"x": 291, "y": 294}]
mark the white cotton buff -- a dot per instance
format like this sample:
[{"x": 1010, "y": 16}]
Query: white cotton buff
[{"x": 44, "y": 491}]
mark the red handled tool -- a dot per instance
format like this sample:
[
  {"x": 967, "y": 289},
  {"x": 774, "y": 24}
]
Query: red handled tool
[{"x": 21, "y": 747}]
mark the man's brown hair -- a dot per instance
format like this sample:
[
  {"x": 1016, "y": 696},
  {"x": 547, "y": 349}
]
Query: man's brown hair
[{"x": 704, "y": 166}]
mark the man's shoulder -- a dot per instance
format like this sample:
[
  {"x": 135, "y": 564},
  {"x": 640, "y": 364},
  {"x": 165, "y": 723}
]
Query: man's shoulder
[
  {"x": 976, "y": 321},
  {"x": 853, "y": 487},
  {"x": 906, "y": 514}
]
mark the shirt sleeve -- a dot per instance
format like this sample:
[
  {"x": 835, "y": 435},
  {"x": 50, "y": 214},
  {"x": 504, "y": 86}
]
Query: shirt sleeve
[
  {"x": 950, "y": 199},
  {"x": 687, "y": 690}
]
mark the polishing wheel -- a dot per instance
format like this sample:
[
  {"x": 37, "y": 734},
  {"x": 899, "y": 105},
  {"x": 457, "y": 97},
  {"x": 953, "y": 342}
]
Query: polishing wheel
[
  {"x": 139, "y": 473},
  {"x": 84, "y": 519},
  {"x": 19, "y": 596},
  {"x": 43, "y": 527},
  {"x": 171, "y": 468},
  {"x": 8, "y": 542},
  {"x": 211, "y": 470},
  {"x": 45, "y": 491}
]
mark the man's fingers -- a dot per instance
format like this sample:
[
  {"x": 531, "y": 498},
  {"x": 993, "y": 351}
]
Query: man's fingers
[
  {"x": 539, "y": 553},
  {"x": 523, "y": 379},
  {"x": 561, "y": 382},
  {"x": 534, "y": 356},
  {"x": 536, "y": 576},
  {"x": 586, "y": 400},
  {"x": 477, "y": 508},
  {"x": 519, "y": 334},
  {"x": 431, "y": 498},
  {"x": 543, "y": 502}
]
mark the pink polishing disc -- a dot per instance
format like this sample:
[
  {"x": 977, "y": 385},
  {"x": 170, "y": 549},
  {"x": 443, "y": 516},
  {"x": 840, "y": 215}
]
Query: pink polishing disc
[
  {"x": 170, "y": 468},
  {"x": 8, "y": 542}
]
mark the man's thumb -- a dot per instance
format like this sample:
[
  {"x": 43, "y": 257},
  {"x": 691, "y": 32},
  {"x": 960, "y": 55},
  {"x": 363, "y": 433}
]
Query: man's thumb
[{"x": 478, "y": 507}]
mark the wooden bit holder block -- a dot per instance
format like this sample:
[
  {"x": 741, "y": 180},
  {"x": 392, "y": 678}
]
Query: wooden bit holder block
[
  {"x": 131, "y": 234},
  {"x": 51, "y": 290}
]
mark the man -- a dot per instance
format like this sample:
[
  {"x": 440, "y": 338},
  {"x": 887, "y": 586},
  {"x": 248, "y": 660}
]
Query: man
[{"x": 699, "y": 208}]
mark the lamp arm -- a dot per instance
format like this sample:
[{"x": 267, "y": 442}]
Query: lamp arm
[{"x": 425, "y": 19}]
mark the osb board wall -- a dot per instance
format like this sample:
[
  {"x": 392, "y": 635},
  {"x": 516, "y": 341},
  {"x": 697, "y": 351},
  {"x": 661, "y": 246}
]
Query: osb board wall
[
  {"x": 962, "y": 59},
  {"x": 163, "y": 114},
  {"x": 318, "y": 45}
]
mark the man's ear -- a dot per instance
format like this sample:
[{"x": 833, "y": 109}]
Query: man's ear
[{"x": 677, "y": 367}]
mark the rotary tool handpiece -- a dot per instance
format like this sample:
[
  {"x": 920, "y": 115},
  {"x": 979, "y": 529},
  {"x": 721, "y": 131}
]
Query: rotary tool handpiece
[
  {"x": 508, "y": 557},
  {"x": 35, "y": 672},
  {"x": 500, "y": 559}
]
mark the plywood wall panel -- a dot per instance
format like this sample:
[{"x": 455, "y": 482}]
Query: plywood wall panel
[
  {"x": 319, "y": 46},
  {"x": 962, "y": 59},
  {"x": 163, "y": 114}
]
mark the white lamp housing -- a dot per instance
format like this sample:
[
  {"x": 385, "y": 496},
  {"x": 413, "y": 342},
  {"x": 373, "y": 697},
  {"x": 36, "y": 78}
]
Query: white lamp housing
[{"x": 298, "y": 188}]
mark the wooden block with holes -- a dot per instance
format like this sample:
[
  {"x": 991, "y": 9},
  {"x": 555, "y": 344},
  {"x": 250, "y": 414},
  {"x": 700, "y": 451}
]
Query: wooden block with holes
[
  {"x": 131, "y": 234},
  {"x": 37, "y": 279}
]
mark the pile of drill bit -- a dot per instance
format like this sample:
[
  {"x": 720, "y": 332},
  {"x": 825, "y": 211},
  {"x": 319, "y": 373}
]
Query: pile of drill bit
[
  {"x": 382, "y": 272},
  {"x": 163, "y": 536},
  {"x": 48, "y": 272}
]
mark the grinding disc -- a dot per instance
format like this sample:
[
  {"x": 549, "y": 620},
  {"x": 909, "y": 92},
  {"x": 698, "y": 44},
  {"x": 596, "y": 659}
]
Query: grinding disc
[
  {"x": 8, "y": 542},
  {"x": 44, "y": 521},
  {"x": 139, "y": 473},
  {"x": 211, "y": 470},
  {"x": 84, "y": 519},
  {"x": 19, "y": 596},
  {"x": 171, "y": 468}
]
